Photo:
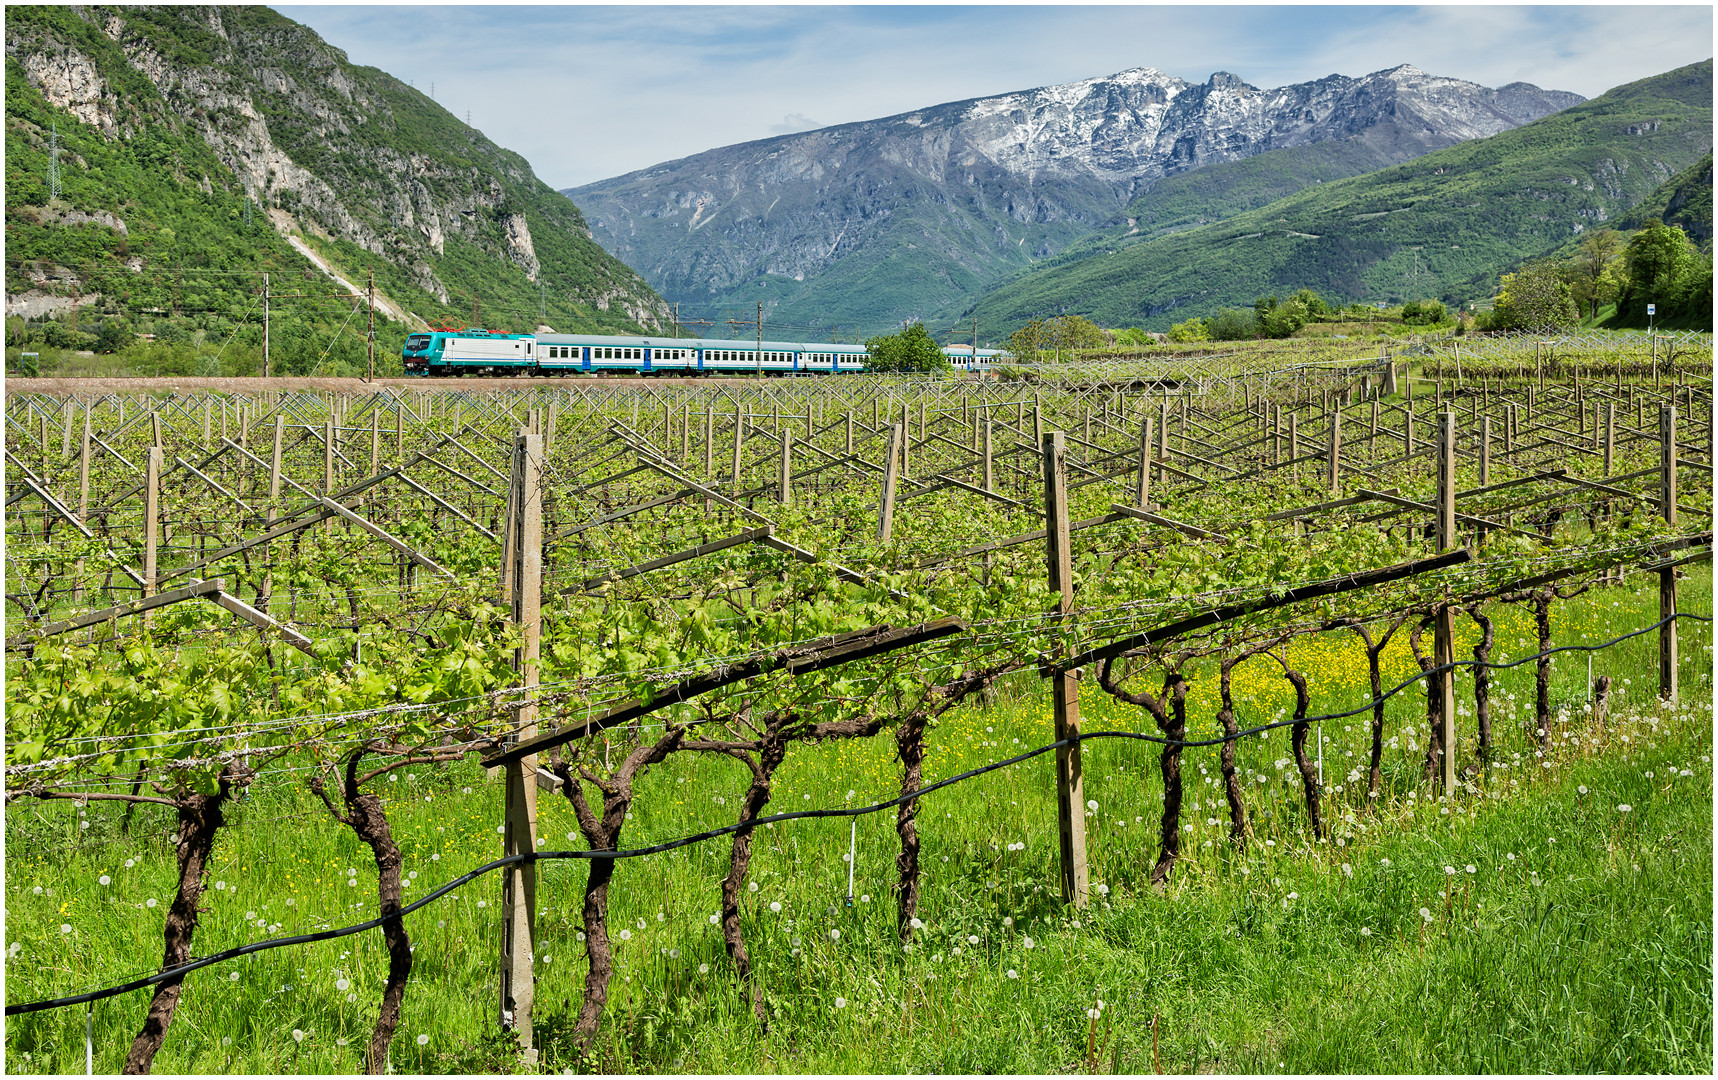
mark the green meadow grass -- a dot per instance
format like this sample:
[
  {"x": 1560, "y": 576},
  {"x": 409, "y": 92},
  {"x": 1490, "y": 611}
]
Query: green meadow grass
[{"x": 1581, "y": 940}]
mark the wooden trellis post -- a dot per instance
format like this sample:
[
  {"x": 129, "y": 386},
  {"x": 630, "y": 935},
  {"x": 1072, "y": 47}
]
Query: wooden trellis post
[
  {"x": 519, "y": 882},
  {"x": 891, "y": 475},
  {"x": 989, "y": 460},
  {"x": 1142, "y": 481},
  {"x": 786, "y": 495},
  {"x": 1610, "y": 436},
  {"x": 1333, "y": 476},
  {"x": 739, "y": 438},
  {"x": 1443, "y": 650},
  {"x": 1667, "y": 658},
  {"x": 1065, "y": 686},
  {"x": 83, "y": 496},
  {"x": 151, "y": 516}
]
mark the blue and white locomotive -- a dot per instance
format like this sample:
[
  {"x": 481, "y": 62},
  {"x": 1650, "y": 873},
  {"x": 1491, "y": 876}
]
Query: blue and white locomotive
[{"x": 480, "y": 352}]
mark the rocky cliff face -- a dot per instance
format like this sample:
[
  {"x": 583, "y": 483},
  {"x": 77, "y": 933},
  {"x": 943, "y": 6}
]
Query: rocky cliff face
[
  {"x": 913, "y": 214},
  {"x": 338, "y": 153}
]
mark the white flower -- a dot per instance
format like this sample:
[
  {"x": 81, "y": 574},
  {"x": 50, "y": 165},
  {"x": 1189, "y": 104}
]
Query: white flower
[
  {"x": 864, "y": 898},
  {"x": 1470, "y": 868},
  {"x": 1449, "y": 870},
  {"x": 834, "y": 935},
  {"x": 775, "y": 905},
  {"x": 1347, "y": 870},
  {"x": 483, "y": 903},
  {"x": 916, "y": 923},
  {"x": 840, "y": 1003},
  {"x": 715, "y": 920},
  {"x": 1365, "y": 931},
  {"x": 626, "y": 935},
  {"x": 350, "y": 998},
  {"x": 149, "y": 902},
  {"x": 1426, "y": 914},
  {"x": 1624, "y": 807},
  {"x": 1007, "y": 921},
  {"x": 233, "y": 976},
  {"x": 1012, "y": 974},
  {"x": 642, "y": 924},
  {"x": 1094, "y": 1013},
  {"x": 104, "y": 880},
  {"x": 1026, "y": 942},
  {"x": 1582, "y": 789},
  {"x": 423, "y": 1040},
  {"x": 129, "y": 863},
  {"x": 65, "y": 928},
  {"x": 1092, "y": 805},
  {"x": 342, "y": 985},
  {"x": 297, "y": 1035}
]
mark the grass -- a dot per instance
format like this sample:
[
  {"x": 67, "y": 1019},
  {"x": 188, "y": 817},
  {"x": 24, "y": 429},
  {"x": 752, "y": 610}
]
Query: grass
[{"x": 1581, "y": 940}]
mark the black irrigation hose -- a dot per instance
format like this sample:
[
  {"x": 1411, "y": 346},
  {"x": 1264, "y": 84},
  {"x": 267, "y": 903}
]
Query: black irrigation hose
[{"x": 711, "y": 834}]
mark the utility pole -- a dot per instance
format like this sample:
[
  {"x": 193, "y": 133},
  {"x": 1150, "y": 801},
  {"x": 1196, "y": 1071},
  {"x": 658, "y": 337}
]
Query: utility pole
[
  {"x": 677, "y": 319},
  {"x": 760, "y": 337},
  {"x": 265, "y": 326},
  {"x": 371, "y": 377}
]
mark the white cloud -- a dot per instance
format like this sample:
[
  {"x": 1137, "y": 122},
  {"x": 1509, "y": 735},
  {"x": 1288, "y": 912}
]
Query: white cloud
[
  {"x": 794, "y": 122},
  {"x": 587, "y": 93}
]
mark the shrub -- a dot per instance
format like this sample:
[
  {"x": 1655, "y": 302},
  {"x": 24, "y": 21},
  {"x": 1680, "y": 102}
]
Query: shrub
[{"x": 1195, "y": 329}]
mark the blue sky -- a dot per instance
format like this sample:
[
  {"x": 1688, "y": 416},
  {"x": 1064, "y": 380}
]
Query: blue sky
[{"x": 586, "y": 93}]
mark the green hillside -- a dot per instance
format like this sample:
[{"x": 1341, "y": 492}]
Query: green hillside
[
  {"x": 196, "y": 144},
  {"x": 1214, "y": 193},
  {"x": 1430, "y": 228},
  {"x": 1685, "y": 200}
]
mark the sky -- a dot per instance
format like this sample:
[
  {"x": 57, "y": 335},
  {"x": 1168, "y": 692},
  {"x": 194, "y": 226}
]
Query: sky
[{"x": 587, "y": 93}]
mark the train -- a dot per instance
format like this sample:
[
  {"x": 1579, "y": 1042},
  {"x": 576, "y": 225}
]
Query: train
[{"x": 484, "y": 352}]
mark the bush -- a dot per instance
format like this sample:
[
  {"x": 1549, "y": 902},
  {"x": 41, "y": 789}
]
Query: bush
[
  {"x": 1423, "y": 313},
  {"x": 1282, "y": 320},
  {"x": 1194, "y": 329},
  {"x": 1232, "y": 324}
]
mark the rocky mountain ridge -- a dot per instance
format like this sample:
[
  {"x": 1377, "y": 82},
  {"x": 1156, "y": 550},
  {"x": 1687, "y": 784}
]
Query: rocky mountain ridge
[{"x": 913, "y": 214}]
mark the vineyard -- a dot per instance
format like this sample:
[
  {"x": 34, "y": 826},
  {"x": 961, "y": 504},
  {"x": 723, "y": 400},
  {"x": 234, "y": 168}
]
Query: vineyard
[{"x": 863, "y": 717}]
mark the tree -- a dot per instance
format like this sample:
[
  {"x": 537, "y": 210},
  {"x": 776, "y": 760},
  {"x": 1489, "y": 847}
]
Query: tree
[
  {"x": 1233, "y": 324},
  {"x": 1535, "y": 298},
  {"x": 1281, "y": 320},
  {"x": 1598, "y": 250},
  {"x": 1658, "y": 257},
  {"x": 1194, "y": 329},
  {"x": 1070, "y": 332},
  {"x": 1423, "y": 313},
  {"x": 1314, "y": 303},
  {"x": 1025, "y": 343},
  {"x": 913, "y": 349}
]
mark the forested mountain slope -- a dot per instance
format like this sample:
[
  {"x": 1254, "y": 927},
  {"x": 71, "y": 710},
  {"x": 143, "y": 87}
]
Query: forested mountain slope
[{"x": 196, "y": 144}]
